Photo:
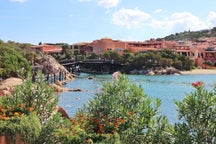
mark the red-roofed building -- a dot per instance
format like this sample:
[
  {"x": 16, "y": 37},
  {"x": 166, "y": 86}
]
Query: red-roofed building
[{"x": 47, "y": 48}]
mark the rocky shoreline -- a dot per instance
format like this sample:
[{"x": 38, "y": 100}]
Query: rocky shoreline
[
  {"x": 157, "y": 71},
  {"x": 48, "y": 65}
]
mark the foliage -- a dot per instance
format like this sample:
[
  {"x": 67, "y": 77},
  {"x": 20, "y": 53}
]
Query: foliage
[
  {"x": 138, "y": 61},
  {"x": 166, "y": 53},
  {"x": 93, "y": 56},
  {"x": 37, "y": 96},
  {"x": 192, "y": 35},
  {"x": 49, "y": 130},
  {"x": 122, "y": 108},
  {"x": 12, "y": 63},
  {"x": 165, "y": 58},
  {"x": 197, "y": 113},
  {"x": 187, "y": 63},
  {"x": 14, "y": 112},
  {"x": 127, "y": 56},
  {"x": 209, "y": 63},
  {"x": 72, "y": 131},
  {"x": 66, "y": 51},
  {"x": 27, "y": 109},
  {"x": 27, "y": 126},
  {"x": 111, "y": 55}
]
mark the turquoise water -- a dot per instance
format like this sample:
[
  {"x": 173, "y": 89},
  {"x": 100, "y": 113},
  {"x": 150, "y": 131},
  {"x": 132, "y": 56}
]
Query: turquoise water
[{"x": 168, "y": 88}]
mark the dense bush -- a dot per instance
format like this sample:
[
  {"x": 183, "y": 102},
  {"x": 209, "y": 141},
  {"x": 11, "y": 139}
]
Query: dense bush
[
  {"x": 197, "y": 113},
  {"x": 192, "y": 35},
  {"x": 120, "y": 113},
  {"x": 12, "y": 63},
  {"x": 123, "y": 109},
  {"x": 165, "y": 58},
  {"x": 26, "y": 110}
]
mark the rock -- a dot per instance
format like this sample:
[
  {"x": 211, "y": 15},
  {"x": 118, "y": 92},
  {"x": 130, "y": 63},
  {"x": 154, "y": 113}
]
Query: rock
[
  {"x": 6, "y": 92},
  {"x": 49, "y": 65},
  {"x": 90, "y": 78},
  {"x": 76, "y": 90},
  {"x": 134, "y": 72},
  {"x": 171, "y": 71},
  {"x": 9, "y": 83},
  {"x": 58, "y": 83},
  {"x": 143, "y": 72},
  {"x": 151, "y": 73},
  {"x": 58, "y": 88},
  {"x": 63, "y": 112}
]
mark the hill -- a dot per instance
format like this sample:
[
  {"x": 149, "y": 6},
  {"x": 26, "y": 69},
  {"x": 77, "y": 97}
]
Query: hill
[{"x": 192, "y": 35}]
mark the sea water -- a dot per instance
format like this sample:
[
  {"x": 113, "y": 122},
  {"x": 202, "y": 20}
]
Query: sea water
[{"x": 168, "y": 88}]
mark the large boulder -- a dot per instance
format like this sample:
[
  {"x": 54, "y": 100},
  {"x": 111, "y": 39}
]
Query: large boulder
[
  {"x": 10, "y": 83},
  {"x": 7, "y": 85},
  {"x": 49, "y": 65}
]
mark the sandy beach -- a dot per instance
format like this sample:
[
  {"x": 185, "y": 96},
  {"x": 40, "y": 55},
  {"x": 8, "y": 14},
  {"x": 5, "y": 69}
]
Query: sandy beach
[{"x": 199, "y": 71}]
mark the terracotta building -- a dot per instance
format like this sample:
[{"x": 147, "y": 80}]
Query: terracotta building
[
  {"x": 104, "y": 44},
  {"x": 200, "y": 51},
  {"x": 47, "y": 48}
]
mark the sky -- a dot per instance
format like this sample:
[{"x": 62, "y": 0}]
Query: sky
[{"x": 74, "y": 21}]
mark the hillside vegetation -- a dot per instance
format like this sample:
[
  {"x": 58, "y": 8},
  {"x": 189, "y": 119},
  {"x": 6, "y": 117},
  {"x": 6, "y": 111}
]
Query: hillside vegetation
[
  {"x": 14, "y": 59},
  {"x": 192, "y": 35}
]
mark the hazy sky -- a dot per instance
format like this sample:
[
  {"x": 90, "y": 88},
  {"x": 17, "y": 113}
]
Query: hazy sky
[{"x": 73, "y": 21}]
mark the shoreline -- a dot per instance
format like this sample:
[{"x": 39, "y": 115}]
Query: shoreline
[{"x": 199, "y": 71}]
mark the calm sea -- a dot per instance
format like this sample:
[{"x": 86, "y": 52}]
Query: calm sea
[{"x": 168, "y": 88}]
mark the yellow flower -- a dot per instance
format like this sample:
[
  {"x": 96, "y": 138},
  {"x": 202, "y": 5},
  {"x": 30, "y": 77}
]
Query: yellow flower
[
  {"x": 21, "y": 105},
  {"x": 2, "y": 109},
  {"x": 30, "y": 109},
  {"x": 10, "y": 108},
  {"x": 16, "y": 114},
  {"x": 10, "y": 113},
  {"x": 4, "y": 118}
]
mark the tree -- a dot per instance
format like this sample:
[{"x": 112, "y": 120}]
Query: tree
[
  {"x": 177, "y": 64},
  {"x": 12, "y": 63},
  {"x": 111, "y": 55},
  {"x": 138, "y": 61},
  {"x": 187, "y": 63},
  {"x": 127, "y": 56},
  {"x": 147, "y": 60},
  {"x": 167, "y": 53},
  {"x": 67, "y": 51},
  {"x": 93, "y": 56}
]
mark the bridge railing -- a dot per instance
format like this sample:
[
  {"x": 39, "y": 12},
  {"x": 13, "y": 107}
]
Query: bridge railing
[
  {"x": 51, "y": 77},
  {"x": 66, "y": 61},
  {"x": 90, "y": 61}
]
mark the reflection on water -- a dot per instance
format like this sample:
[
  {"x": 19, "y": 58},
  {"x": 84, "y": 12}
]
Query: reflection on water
[{"x": 167, "y": 88}]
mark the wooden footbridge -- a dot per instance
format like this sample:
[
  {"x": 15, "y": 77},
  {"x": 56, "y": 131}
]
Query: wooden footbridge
[{"x": 92, "y": 65}]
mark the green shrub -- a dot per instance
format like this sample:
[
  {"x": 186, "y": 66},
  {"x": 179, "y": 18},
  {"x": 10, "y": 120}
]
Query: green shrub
[
  {"x": 37, "y": 96},
  {"x": 122, "y": 108},
  {"x": 49, "y": 130},
  {"x": 28, "y": 110},
  {"x": 197, "y": 112},
  {"x": 26, "y": 126},
  {"x": 12, "y": 63}
]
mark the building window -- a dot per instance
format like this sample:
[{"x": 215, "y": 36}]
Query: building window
[{"x": 119, "y": 49}]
